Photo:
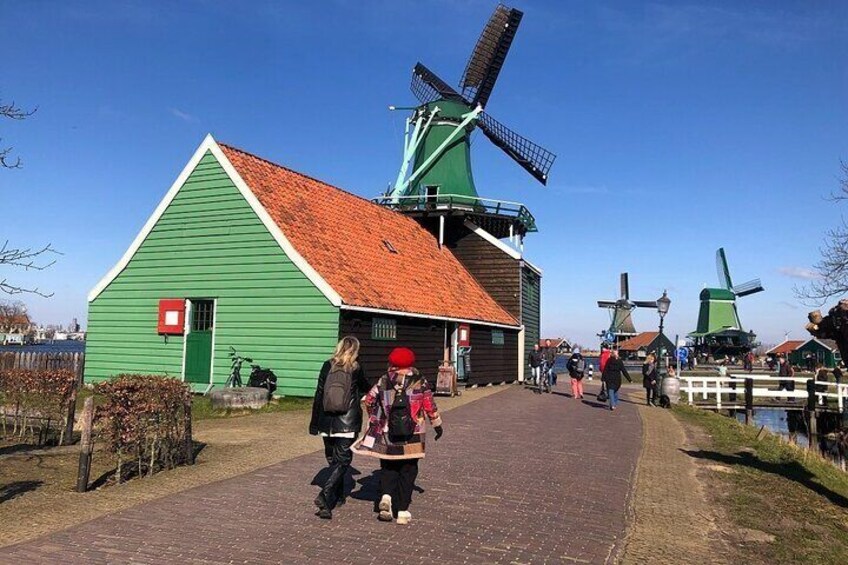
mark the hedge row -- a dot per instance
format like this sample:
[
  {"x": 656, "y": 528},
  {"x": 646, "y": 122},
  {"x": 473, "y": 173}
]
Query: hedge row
[{"x": 34, "y": 400}]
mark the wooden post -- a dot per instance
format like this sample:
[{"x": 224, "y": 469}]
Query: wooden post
[
  {"x": 812, "y": 423},
  {"x": 188, "y": 444},
  {"x": 749, "y": 401},
  {"x": 733, "y": 394},
  {"x": 68, "y": 435},
  {"x": 86, "y": 445}
]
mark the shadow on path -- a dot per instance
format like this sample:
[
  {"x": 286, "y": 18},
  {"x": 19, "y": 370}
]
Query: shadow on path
[
  {"x": 17, "y": 488},
  {"x": 793, "y": 471}
]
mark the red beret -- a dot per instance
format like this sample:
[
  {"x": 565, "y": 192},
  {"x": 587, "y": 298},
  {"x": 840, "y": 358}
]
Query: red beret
[{"x": 401, "y": 358}]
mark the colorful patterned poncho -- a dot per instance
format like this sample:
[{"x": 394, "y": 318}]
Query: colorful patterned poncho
[{"x": 378, "y": 401}]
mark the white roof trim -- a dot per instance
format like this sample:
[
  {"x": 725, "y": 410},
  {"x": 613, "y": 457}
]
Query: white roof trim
[
  {"x": 514, "y": 253},
  {"x": 427, "y": 316},
  {"x": 209, "y": 144},
  {"x": 817, "y": 340}
]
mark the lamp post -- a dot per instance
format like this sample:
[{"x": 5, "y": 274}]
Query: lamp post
[{"x": 663, "y": 304}]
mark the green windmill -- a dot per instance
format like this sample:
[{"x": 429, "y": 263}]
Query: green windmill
[
  {"x": 435, "y": 174},
  {"x": 720, "y": 333}
]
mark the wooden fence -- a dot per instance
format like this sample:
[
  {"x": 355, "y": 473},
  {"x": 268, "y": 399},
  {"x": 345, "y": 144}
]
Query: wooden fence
[{"x": 44, "y": 361}]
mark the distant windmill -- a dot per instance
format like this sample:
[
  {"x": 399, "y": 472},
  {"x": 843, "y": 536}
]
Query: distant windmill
[
  {"x": 719, "y": 330},
  {"x": 621, "y": 321}
]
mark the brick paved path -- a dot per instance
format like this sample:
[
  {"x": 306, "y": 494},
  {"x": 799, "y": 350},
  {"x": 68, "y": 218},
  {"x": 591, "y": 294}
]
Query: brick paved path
[{"x": 518, "y": 478}]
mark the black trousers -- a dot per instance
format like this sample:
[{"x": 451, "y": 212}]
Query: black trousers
[
  {"x": 397, "y": 479},
  {"x": 651, "y": 393},
  {"x": 339, "y": 457}
]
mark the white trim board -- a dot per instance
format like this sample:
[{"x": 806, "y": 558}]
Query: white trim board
[
  {"x": 514, "y": 253},
  {"x": 426, "y": 316},
  {"x": 209, "y": 144}
]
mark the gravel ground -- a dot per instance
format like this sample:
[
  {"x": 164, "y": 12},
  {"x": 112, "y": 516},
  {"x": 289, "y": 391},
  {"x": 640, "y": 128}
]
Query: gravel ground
[{"x": 36, "y": 489}]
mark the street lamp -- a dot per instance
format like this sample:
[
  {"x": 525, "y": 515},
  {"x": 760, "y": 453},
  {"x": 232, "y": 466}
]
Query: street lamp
[{"x": 663, "y": 304}]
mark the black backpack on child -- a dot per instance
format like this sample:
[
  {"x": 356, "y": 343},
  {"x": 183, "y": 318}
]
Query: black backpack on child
[
  {"x": 337, "y": 390},
  {"x": 401, "y": 422}
]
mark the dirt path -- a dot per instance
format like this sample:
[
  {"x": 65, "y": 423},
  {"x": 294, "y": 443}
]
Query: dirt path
[
  {"x": 672, "y": 519},
  {"x": 36, "y": 489}
]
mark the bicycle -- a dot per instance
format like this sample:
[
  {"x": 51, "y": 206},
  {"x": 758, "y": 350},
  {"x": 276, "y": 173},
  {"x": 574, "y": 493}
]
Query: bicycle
[
  {"x": 234, "y": 380},
  {"x": 544, "y": 379}
]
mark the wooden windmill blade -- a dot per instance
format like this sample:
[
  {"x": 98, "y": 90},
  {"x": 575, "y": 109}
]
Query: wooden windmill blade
[
  {"x": 750, "y": 287},
  {"x": 723, "y": 270},
  {"x": 533, "y": 158},
  {"x": 428, "y": 87},
  {"x": 645, "y": 303},
  {"x": 606, "y": 303},
  {"x": 489, "y": 54}
]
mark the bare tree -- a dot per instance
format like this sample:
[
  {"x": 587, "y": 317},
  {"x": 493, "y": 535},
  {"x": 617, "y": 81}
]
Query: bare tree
[
  {"x": 831, "y": 270},
  {"x": 13, "y": 112}
]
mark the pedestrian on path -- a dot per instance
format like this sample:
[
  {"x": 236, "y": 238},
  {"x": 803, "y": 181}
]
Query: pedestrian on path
[
  {"x": 649, "y": 379},
  {"x": 535, "y": 360},
  {"x": 396, "y": 406},
  {"x": 605, "y": 355},
  {"x": 337, "y": 418},
  {"x": 611, "y": 377},
  {"x": 576, "y": 369},
  {"x": 550, "y": 354}
]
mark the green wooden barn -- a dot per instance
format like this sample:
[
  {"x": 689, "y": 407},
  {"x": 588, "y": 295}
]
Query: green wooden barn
[
  {"x": 815, "y": 351},
  {"x": 247, "y": 254}
]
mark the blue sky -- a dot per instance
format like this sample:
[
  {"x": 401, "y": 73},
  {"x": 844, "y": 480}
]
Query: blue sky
[{"x": 679, "y": 128}]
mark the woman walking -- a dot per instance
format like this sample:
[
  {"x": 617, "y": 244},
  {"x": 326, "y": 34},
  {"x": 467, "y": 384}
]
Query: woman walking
[
  {"x": 396, "y": 406},
  {"x": 611, "y": 377},
  {"x": 649, "y": 379},
  {"x": 337, "y": 418}
]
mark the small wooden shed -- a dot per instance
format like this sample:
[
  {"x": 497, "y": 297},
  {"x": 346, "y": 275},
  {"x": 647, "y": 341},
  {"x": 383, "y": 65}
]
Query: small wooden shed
[{"x": 815, "y": 351}]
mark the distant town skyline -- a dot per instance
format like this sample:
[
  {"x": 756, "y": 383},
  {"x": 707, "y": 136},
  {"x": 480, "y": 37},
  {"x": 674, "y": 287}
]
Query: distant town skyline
[{"x": 679, "y": 128}]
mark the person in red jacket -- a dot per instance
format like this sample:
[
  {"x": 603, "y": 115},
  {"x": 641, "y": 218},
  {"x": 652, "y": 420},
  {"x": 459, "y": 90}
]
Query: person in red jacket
[{"x": 605, "y": 355}]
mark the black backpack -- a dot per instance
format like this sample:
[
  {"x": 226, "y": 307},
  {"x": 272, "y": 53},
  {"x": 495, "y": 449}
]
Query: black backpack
[
  {"x": 401, "y": 422},
  {"x": 580, "y": 366},
  {"x": 337, "y": 390}
]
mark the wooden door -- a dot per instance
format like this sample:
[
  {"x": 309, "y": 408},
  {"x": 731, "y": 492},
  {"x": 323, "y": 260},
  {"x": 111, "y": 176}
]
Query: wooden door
[{"x": 198, "y": 355}]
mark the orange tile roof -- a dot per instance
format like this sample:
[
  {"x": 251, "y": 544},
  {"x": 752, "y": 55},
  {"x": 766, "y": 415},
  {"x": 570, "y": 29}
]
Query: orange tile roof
[
  {"x": 644, "y": 339},
  {"x": 344, "y": 238},
  {"x": 786, "y": 347}
]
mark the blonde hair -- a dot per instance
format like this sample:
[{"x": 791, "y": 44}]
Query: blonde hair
[{"x": 347, "y": 351}]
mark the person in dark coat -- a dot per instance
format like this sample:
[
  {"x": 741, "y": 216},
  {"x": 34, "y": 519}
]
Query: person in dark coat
[
  {"x": 837, "y": 372},
  {"x": 649, "y": 379},
  {"x": 611, "y": 377},
  {"x": 576, "y": 367},
  {"x": 338, "y": 429},
  {"x": 536, "y": 359},
  {"x": 550, "y": 354}
]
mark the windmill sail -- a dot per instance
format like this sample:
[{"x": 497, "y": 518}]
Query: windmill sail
[
  {"x": 428, "y": 87},
  {"x": 723, "y": 270},
  {"x": 489, "y": 55},
  {"x": 625, "y": 286},
  {"x": 750, "y": 287},
  {"x": 533, "y": 158}
]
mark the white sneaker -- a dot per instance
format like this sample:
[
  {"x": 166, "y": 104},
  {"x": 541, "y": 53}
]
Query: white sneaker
[
  {"x": 404, "y": 517},
  {"x": 385, "y": 508}
]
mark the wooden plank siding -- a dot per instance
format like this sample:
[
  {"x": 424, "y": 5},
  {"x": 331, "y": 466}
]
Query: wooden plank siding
[
  {"x": 425, "y": 337},
  {"x": 531, "y": 291},
  {"x": 492, "y": 363},
  {"x": 210, "y": 244},
  {"x": 496, "y": 271}
]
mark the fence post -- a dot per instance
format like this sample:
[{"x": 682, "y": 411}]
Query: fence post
[
  {"x": 691, "y": 391},
  {"x": 188, "y": 443},
  {"x": 86, "y": 445},
  {"x": 812, "y": 423},
  {"x": 733, "y": 394},
  {"x": 68, "y": 436},
  {"x": 718, "y": 394},
  {"x": 749, "y": 401}
]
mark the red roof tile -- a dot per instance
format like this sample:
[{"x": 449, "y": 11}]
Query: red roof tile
[
  {"x": 786, "y": 347},
  {"x": 344, "y": 238},
  {"x": 644, "y": 339}
]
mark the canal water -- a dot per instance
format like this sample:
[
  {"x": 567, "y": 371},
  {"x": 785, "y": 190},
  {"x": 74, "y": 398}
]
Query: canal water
[
  {"x": 781, "y": 423},
  {"x": 57, "y": 346}
]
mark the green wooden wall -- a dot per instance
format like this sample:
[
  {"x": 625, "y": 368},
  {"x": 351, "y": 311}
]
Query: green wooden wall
[
  {"x": 531, "y": 301},
  {"x": 210, "y": 244}
]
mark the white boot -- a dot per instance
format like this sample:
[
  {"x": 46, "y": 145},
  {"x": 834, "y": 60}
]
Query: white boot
[
  {"x": 404, "y": 517},
  {"x": 385, "y": 508}
]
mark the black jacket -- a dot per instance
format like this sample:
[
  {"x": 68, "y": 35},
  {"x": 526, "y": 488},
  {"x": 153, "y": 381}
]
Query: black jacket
[
  {"x": 350, "y": 421},
  {"x": 550, "y": 355},
  {"x": 612, "y": 373},
  {"x": 572, "y": 366},
  {"x": 536, "y": 358},
  {"x": 649, "y": 373}
]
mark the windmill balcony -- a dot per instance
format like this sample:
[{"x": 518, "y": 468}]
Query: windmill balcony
[{"x": 496, "y": 216}]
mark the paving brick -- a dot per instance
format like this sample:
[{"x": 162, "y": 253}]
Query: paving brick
[{"x": 517, "y": 478}]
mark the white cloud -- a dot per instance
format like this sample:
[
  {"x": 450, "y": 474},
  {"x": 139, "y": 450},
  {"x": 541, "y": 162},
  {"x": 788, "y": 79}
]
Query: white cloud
[
  {"x": 184, "y": 116},
  {"x": 799, "y": 273}
]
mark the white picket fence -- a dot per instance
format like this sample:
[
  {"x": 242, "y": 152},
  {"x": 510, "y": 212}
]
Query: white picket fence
[{"x": 711, "y": 390}]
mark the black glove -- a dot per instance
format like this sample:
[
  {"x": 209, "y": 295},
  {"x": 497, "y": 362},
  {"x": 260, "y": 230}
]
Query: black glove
[{"x": 439, "y": 432}]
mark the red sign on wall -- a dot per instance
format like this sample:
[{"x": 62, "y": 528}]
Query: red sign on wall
[
  {"x": 463, "y": 337},
  {"x": 172, "y": 316}
]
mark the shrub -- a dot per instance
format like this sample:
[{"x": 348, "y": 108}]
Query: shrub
[
  {"x": 34, "y": 400},
  {"x": 145, "y": 421}
]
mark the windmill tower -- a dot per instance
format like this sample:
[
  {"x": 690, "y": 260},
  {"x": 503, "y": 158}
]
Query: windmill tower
[
  {"x": 621, "y": 310},
  {"x": 435, "y": 181},
  {"x": 435, "y": 184},
  {"x": 720, "y": 332}
]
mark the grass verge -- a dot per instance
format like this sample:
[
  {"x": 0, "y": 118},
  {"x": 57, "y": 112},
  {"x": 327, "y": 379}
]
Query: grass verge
[{"x": 776, "y": 488}]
